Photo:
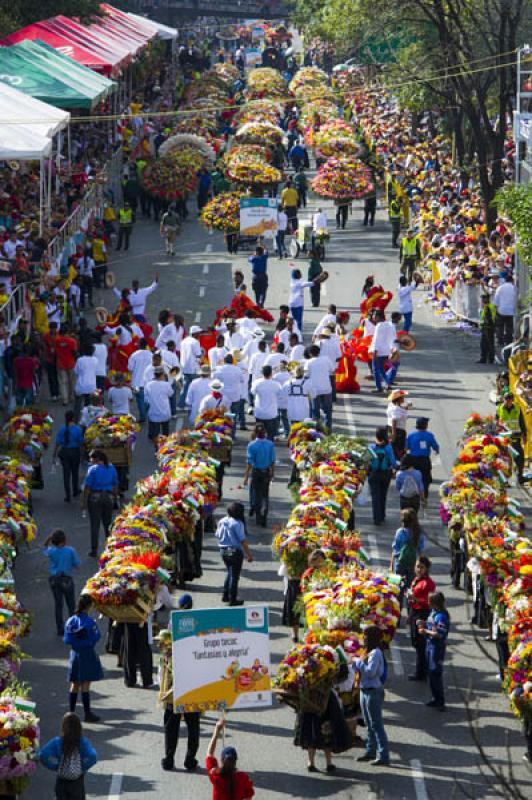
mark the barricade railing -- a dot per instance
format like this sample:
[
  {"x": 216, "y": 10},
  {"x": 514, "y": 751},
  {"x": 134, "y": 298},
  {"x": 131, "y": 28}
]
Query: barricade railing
[
  {"x": 465, "y": 301},
  {"x": 14, "y": 307}
]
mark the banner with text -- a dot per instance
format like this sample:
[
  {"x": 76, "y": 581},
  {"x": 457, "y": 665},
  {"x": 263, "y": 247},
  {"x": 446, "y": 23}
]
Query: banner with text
[
  {"x": 221, "y": 658},
  {"x": 258, "y": 216}
]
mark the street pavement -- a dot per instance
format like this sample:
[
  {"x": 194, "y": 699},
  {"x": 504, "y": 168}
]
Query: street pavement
[{"x": 433, "y": 755}]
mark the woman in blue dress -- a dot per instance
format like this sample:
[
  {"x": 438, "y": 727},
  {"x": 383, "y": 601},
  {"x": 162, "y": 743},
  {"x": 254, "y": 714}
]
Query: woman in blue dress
[{"x": 82, "y": 634}]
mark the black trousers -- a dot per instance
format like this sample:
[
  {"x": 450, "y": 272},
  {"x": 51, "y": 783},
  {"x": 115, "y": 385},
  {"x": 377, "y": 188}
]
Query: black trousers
[
  {"x": 62, "y": 587},
  {"x": 419, "y": 642},
  {"x": 487, "y": 345},
  {"x": 315, "y": 292},
  {"x": 137, "y": 653},
  {"x": 100, "y": 508},
  {"x": 396, "y": 230},
  {"x": 172, "y": 722},
  {"x": 341, "y": 216},
  {"x": 369, "y": 216},
  {"x": 423, "y": 464},
  {"x": 70, "y": 790},
  {"x": 379, "y": 482},
  {"x": 70, "y": 461},
  {"x": 53, "y": 380},
  {"x": 259, "y": 284},
  {"x": 124, "y": 232},
  {"x": 505, "y": 329},
  {"x": 260, "y": 489}
]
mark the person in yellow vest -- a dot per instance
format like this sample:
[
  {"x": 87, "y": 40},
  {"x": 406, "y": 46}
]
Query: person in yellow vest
[
  {"x": 409, "y": 254},
  {"x": 394, "y": 214},
  {"x": 40, "y": 315},
  {"x": 510, "y": 415},
  {"x": 488, "y": 315},
  {"x": 125, "y": 225},
  {"x": 99, "y": 254}
]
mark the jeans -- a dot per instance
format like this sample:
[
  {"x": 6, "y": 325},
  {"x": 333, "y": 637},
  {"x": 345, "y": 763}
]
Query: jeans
[
  {"x": 62, "y": 587},
  {"x": 258, "y": 493},
  {"x": 235, "y": 409},
  {"x": 80, "y": 400},
  {"x": 259, "y": 284},
  {"x": 270, "y": 425},
  {"x": 371, "y": 701},
  {"x": 435, "y": 656},
  {"x": 141, "y": 405},
  {"x": 70, "y": 459},
  {"x": 323, "y": 402},
  {"x": 296, "y": 312},
  {"x": 379, "y": 481},
  {"x": 378, "y": 370},
  {"x": 389, "y": 375},
  {"x": 53, "y": 382},
  {"x": 281, "y": 248},
  {"x": 407, "y": 320},
  {"x": 172, "y": 722},
  {"x": 100, "y": 507},
  {"x": 283, "y": 419},
  {"x": 233, "y": 560},
  {"x": 24, "y": 397},
  {"x": 187, "y": 380}
]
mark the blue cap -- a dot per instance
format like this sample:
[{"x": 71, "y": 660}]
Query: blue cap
[
  {"x": 228, "y": 752},
  {"x": 185, "y": 601}
]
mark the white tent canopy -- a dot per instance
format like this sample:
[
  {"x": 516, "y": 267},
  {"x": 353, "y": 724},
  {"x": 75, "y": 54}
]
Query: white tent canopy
[
  {"x": 17, "y": 143},
  {"x": 163, "y": 31},
  {"x": 19, "y": 111}
]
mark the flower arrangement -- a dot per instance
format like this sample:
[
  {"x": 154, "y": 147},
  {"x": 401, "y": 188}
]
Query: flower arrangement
[
  {"x": 28, "y": 431},
  {"x": 121, "y": 582},
  {"x": 192, "y": 145},
  {"x": 343, "y": 179},
  {"x": 262, "y": 133},
  {"x": 314, "y": 114},
  {"x": 254, "y": 173},
  {"x": 259, "y": 111},
  {"x": 167, "y": 179},
  {"x": 306, "y": 666},
  {"x": 243, "y": 153},
  {"x": 308, "y": 76},
  {"x": 222, "y": 213},
  {"x": 112, "y": 430},
  {"x": 265, "y": 82},
  {"x": 19, "y": 738},
  {"x": 10, "y": 659}
]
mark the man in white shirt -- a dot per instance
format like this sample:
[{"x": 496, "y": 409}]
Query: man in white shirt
[
  {"x": 120, "y": 396},
  {"x": 406, "y": 306},
  {"x": 256, "y": 363},
  {"x": 319, "y": 372},
  {"x": 296, "y": 395},
  {"x": 173, "y": 331},
  {"x": 231, "y": 377},
  {"x": 319, "y": 221},
  {"x": 138, "y": 297},
  {"x": 169, "y": 355},
  {"x": 10, "y": 247},
  {"x": 234, "y": 339},
  {"x": 85, "y": 373},
  {"x": 217, "y": 354},
  {"x": 198, "y": 389},
  {"x": 247, "y": 325},
  {"x": 157, "y": 394},
  {"x": 100, "y": 353},
  {"x": 384, "y": 338},
  {"x": 330, "y": 316},
  {"x": 137, "y": 364},
  {"x": 215, "y": 399},
  {"x": 266, "y": 393},
  {"x": 504, "y": 301},
  {"x": 329, "y": 345},
  {"x": 296, "y": 351},
  {"x": 290, "y": 328},
  {"x": 282, "y": 377},
  {"x": 282, "y": 225},
  {"x": 149, "y": 372},
  {"x": 273, "y": 360},
  {"x": 190, "y": 357},
  {"x": 252, "y": 347}
]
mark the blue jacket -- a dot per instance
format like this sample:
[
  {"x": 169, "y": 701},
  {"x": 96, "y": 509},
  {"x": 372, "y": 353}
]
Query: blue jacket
[
  {"x": 81, "y": 632},
  {"x": 52, "y": 752}
]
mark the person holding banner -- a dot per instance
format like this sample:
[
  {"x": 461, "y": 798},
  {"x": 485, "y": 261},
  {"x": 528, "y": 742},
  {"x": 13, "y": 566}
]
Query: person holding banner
[{"x": 228, "y": 783}]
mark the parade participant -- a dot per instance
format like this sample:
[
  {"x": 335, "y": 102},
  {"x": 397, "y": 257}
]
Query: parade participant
[
  {"x": 125, "y": 225},
  {"x": 319, "y": 372},
  {"x": 137, "y": 365},
  {"x": 297, "y": 296},
  {"x": 487, "y": 324},
  {"x": 169, "y": 228},
  {"x": 436, "y": 630},
  {"x": 296, "y": 394},
  {"x": 198, "y": 389},
  {"x": 342, "y": 210},
  {"x": 330, "y": 316},
  {"x": 190, "y": 355},
  {"x": 296, "y": 350},
  {"x": 511, "y": 417},
  {"x": 94, "y": 409},
  {"x": 62, "y": 561},
  {"x": 289, "y": 201},
  {"x": 301, "y": 185},
  {"x": 227, "y": 781},
  {"x": 282, "y": 225},
  {"x": 217, "y": 354},
  {"x": 136, "y": 654},
  {"x": 409, "y": 484},
  {"x": 215, "y": 399},
  {"x": 259, "y": 270},
  {"x": 418, "y": 609},
  {"x": 137, "y": 297},
  {"x": 233, "y": 545},
  {"x": 266, "y": 392},
  {"x": 171, "y": 330},
  {"x": 69, "y": 449},
  {"x": 82, "y": 634},
  {"x": 157, "y": 394},
  {"x": 50, "y": 360},
  {"x": 397, "y": 417},
  {"x": 125, "y": 329},
  {"x": 231, "y": 377},
  {"x": 172, "y": 720},
  {"x": 408, "y": 544},
  {"x": 71, "y": 755},
  {"x": 409, "y": 254},
  {"x": 380, "y": 473},
  {"x": 373, "y": 673},
  {"x": 504, "y": 300},
  {"x": 314, "y": 271},
  {"x": 380, "y": 348},
  {"x": 26, "y": 370},
  {"x": 101, "y": 489},
  {"x": 65, "y": 347},
  {"x": 282, "y": 376},
  {"x": 120, "y": 395},
  {"x": 100, "y": 353},
  {"x": 406, "y": 306},
  {"x": 85, "y": 372},
  {"x": 256, "y": 363},
  {"x": 370, "y": 208},
  {"x": 419, "y": 445},
  {"x": 261, "y": 467},
  {"x": 235, "y": 339},
  {"x": 329, "y": 344},
  {"x": 291, "y": 327}
]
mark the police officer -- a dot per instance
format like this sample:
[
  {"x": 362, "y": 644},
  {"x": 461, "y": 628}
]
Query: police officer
[
  {"x": 409, "y": 254},
  {"x": 488, "y": 316},
  {"x": 125, "y": 225},
  {"x": 394, "y": 214},
  {"x": 419, "y": 444},
  {"x": 510, "y": 415}
]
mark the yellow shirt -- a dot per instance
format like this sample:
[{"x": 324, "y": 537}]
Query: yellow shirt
[
  {"x": 98, "y": 252},
  {"x": 40, "y": 317},
  {"x": 289, "y": 197},
  {"x": 109, "y": 214}
]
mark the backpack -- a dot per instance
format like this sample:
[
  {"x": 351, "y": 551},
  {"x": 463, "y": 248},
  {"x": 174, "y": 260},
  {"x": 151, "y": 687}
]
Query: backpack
[
  {"x": 409, "y": 487},
  {"x": 407, "y": 558},
  {"x": 380, "y": 461}
]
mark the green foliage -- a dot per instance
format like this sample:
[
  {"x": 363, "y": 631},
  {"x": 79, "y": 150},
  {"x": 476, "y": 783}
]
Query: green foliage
[
  {"x": 19, "y": 13},
  {"x": 516, "y": 203}
]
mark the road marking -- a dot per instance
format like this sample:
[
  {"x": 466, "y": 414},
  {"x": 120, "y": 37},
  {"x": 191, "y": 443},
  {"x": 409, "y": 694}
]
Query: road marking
[
  {"x": 161, "y": 263},
  {"x": 198, "y": 316},
  {"x": 349, "y": 414},
  {"x": 208, "y": 248},
  {"x": 116, "y": 786},
  {"x": 324, "y": 289},
  {"x": 419, "y": 779},
  {"x": 205, "y": 269},
  {"x": 397, "y": 661},
  {"x": 373, "y": 546},
  {"x": 202, "y": 291}
]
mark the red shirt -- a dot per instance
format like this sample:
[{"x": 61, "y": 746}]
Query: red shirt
[
  {"x": 24, "y": 367},
  {"x": 243, "y": 787},
  {"x": 65, "y": 347},
  {"x": 49, "y": 347},
  {"x": 421, "y": 588}
]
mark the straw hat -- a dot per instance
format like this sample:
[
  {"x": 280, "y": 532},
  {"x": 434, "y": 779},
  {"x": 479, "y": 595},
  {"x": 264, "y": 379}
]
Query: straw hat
[
  {"x": 110, "y": 280},
  {"x": 102, "y": 315},
  {"x": 216, "y": 385},
  {"x": 396, "y": 394}
]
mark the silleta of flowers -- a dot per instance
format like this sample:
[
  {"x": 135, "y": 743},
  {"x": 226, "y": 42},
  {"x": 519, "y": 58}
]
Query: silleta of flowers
[
  {"x": 28, "y": 430},
  {"x": 188, "y": 146},
  {"x": 266, "y": 82},
  {"x": 111, "y": 430},
  {"x": 222, "y": 213},
  {"x": 168, "y": 180},
  {"x": 345, "y": 596},
  {"x": 476, "y": 507},
  {"x": 343, "y": 178}
]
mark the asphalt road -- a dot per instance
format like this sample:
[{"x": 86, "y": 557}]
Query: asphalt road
[{"x": 433, "y": 755}]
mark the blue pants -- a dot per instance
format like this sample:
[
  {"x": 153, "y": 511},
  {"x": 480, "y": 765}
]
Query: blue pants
[
  {"x": 407, "y": 320},
  {"x": 323, "y": 402},
  {"x": 435, "y": 656},
  {"x": 371, "y": 701},
  {"x": 296, "y": 312},
  {"x": 24, "y": 397},
  {"x": 283, "y": 418},
  {"x": 141, "y": 405},
  {"x": 378, "y": 370},
  {"x": 187, "y": 380},
  {"x": 233, "y": 561},
  {"x": 390, "y": 374}
]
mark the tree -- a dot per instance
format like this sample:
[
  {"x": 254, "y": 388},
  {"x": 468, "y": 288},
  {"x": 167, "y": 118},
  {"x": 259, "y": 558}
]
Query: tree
[{"x": 19, "y": 13}]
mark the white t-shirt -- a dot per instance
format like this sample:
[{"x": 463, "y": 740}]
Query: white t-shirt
[
  {"x": 236, "y": 340},
  {"x": 10, "y": 249},
  {"x": 100, "y": 353},
  {"x": 319, "y": 221},
  {"x": 331, "y": 348},
  {"x": 138, "y": 299},
  {"x": 157, "y": 394},
  {"x": 170, "y": 333},
  {"x": 256, "y": 364},
  {"x": 282, "y": 378},
  {"x": 296, "y": 353},
  {"x": 383, "y": 339},
  {"x": 213, "y": 402},
  {"x": 266, "y": 391},
  {"x": 190, "y": 355},
  {"x": 230, "y": 375},
  {"x": 85, "y": 266},
  {"x": 119, "y": 398},
  {"x": 297, "y": 292},
  {"x": 295, "y": 393},
  {"x": 74, "y": 296},
  {"x": 274, "y": 360},
  {"x": 198, "y": 389},
  {"x": 319, "y": 369},
  {"x": 170, "y": 358},
  {"x": 285, "y": 334},
  {"x": 137, "y": 363},
  {"x": 397, "y": 413},
  {"x": 504, "y": 299},
  {"x": 324, "y": 321},
  {"x": 149, "y": 373},
  {"x": 404, "y": 293},
  {"x": 85, "y": 372},
  {"x": 216, "y": 356}
]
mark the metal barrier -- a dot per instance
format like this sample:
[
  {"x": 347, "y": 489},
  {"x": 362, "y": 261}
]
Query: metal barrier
[
  {"x": 465, "y": 301},
  {"x": 14, "y": 307}
]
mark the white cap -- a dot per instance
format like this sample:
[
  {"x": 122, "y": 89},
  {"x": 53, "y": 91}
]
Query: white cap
[
  {"x": 195, "y": 329},
  {"x": 216, "y": 384}
]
